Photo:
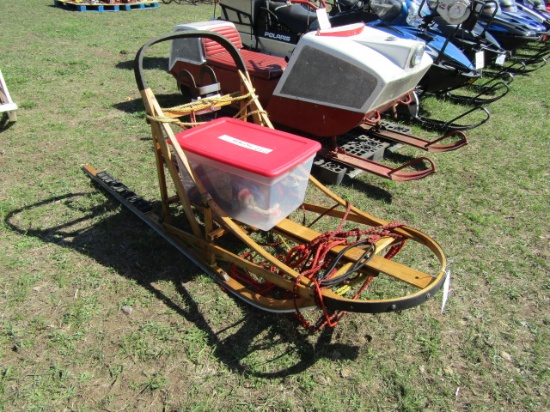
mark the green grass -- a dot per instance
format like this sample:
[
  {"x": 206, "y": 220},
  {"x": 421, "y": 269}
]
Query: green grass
[{"x": 72, "y": 259}]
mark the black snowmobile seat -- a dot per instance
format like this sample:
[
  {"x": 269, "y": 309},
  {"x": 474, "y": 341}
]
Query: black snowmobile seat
[
  {"x": 346, "y": 5},
  {"x": 258, "y": 64},
  {"x": 295, "y": 17}
]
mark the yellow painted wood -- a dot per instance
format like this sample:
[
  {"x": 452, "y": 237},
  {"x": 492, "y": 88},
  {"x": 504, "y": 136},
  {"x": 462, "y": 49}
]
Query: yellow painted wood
[{"x": 202, "y": 240}]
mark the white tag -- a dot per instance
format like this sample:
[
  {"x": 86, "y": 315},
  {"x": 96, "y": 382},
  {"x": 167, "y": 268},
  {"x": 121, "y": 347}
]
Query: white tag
[
  {"x": 446, "y": 287},
  {"x": 245, "y": 145},
  {"x": 501, "y": 59},
  {"x": 322, "y": 18},
  {"x": 480, "y": 60}
]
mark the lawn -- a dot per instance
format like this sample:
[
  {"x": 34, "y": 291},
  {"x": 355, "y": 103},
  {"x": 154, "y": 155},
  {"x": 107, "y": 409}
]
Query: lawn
[{"x": 99, "y": 313}]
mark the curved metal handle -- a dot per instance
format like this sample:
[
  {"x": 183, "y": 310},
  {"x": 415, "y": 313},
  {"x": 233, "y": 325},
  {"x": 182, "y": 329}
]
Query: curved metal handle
[{"x": 227, "y": 44}]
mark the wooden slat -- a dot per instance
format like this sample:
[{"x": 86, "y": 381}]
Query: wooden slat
[
  {"x": 377, "y": 263},
  {"x": 306, "y": 234}
]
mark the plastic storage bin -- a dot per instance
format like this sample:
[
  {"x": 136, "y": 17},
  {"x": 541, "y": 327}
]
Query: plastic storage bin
[{"x": 257, "y": 175}]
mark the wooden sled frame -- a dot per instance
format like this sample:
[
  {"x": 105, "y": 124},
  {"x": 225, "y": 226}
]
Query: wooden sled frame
[
  {"x": 6, "y": 103},
  {"x": 201, "y": 238}
]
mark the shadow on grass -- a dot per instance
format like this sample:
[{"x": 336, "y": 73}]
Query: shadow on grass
[
  {"x": 120, "y": 241},
  {"x": 149, "y": 63},
  {"x": 130, "y": 106},
  {"x": 371, "y": 191},
  {"x": 136, "y": 105}
]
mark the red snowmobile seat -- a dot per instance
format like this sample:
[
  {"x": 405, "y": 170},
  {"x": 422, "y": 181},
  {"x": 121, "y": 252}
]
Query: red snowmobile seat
[{"x": 258, "y": 64}]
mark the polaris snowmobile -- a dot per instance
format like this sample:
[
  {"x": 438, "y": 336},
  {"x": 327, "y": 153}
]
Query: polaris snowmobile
[
  {"x": 333, "y": 83},
  {"x": 275, "y": 26}
]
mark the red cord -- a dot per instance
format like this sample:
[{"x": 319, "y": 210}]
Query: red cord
[{"x": 309, "y": 259}]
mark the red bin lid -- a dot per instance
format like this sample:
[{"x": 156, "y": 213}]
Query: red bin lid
[{"x": 248, "y": 146}]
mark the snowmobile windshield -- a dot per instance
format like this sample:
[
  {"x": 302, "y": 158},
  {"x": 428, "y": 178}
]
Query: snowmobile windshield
[{"x": 386, "y": 10}]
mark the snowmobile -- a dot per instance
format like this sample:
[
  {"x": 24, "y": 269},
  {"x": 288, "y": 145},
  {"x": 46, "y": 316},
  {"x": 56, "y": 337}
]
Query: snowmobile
[
  {"x": 476, "y": 35},
  {"x": 274, "y": 27},
  {"x": 472, "y": 37},
  {"x": 534, "y": 8},
  {"x": 335, "y": 81},
  {"x": 453, "y": 68},
  {"x": 527, "y": 12},
  {"x": 239, "y": 211},
  {"x": 524, "y": 38},
  {"x": 538, "y": 18},
  {"x": 511, "y": 30},
  {"x": 466, "y": 32}
]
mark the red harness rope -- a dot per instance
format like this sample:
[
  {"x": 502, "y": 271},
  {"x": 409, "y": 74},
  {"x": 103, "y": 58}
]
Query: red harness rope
[{"x": 312, "y": 258}]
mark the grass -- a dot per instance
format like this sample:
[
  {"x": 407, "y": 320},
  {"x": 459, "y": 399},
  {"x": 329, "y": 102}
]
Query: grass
[{"x": 99, "y": 314}]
